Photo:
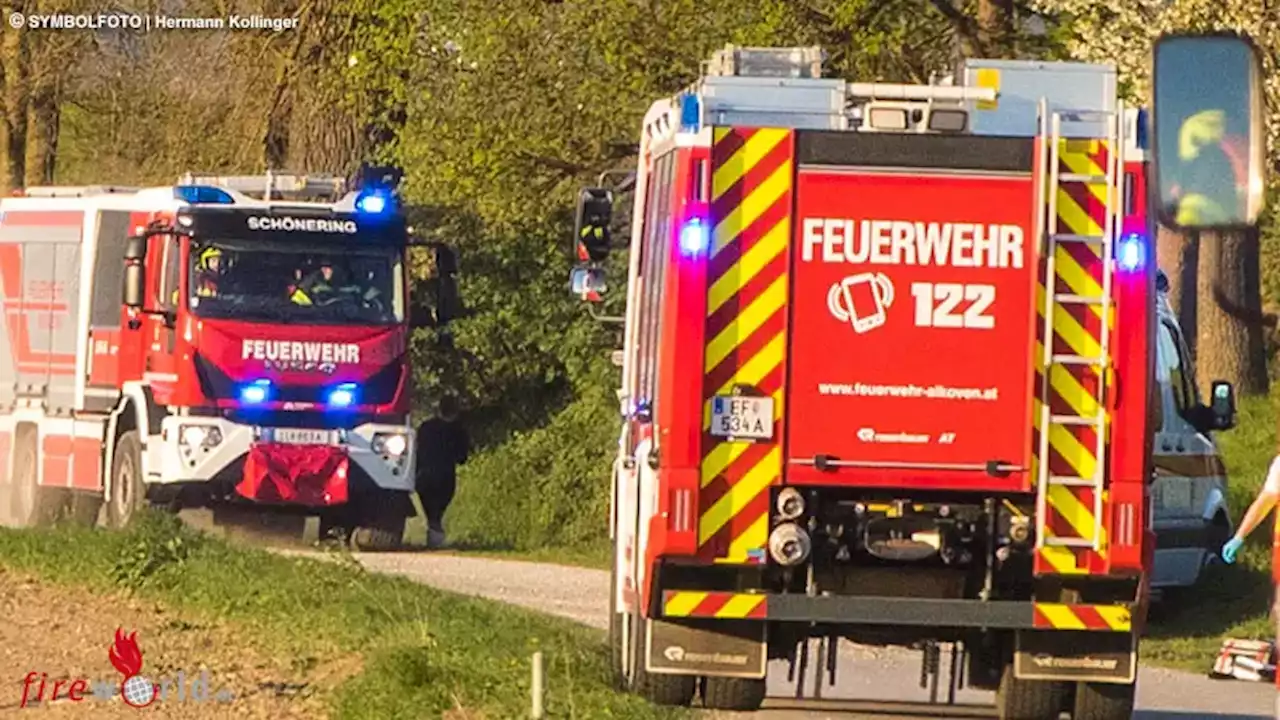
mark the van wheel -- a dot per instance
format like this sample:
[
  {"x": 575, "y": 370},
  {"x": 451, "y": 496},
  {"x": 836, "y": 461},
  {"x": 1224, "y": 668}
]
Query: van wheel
[
  {"x": 1219, "y": 534},
  {"x": 1028, "y": 699},
  {"x": 1104, "y": 701},
  {"x": 742, "y": 694},
  {"x": 128, "y": 491},
  {"x": 30, "y": 504}
]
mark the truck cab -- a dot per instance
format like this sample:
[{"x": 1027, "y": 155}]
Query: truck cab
[
  {"x": 222, "y": 341},
  {"x": 1190, "y": 517}
]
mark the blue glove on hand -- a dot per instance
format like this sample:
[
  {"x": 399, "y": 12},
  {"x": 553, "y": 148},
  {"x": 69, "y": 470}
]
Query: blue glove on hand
[{"x": 1230, "y": 549}]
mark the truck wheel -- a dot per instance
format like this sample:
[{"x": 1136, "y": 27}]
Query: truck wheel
[
  {"x": 381, "y": 523},
  {"x": 30, "y": 504},
  {"x": 84, "y": 508},
  {"x": 657, "y": 688},
  {"x": 1104, "y": 701},
  {"x": 1028, "y": 699},
  {"x": 615, "y": 634},
  {"x": 128, "y": 491},
  {"x": 725, "y": 693}
]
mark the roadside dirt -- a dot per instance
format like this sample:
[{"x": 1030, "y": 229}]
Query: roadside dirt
[{"x": 67, "y": 632}]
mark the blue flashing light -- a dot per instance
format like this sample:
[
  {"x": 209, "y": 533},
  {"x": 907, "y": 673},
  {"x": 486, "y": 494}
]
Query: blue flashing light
[
  {"x": 693, "y": 238},
  {"x": 690, "y": 112},
  {"x": 203, "y": 195},
  {"x": 343, "y": 396},
  {"x": 1131, "y": 252},
  {"x": 373, "y": 203},
  {"x": 1140, "y": 137},
  {"x": 255, "y": 392}
]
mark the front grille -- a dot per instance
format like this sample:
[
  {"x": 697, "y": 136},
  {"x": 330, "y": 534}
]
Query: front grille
[{"x": 379, "y": 389}]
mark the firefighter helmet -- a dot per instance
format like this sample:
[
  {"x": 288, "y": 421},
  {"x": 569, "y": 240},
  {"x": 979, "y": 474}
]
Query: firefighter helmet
[{"x": 209, "y": 254}]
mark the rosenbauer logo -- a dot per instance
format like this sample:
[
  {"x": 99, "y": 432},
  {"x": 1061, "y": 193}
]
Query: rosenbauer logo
[{"x": 134, "y": 689}]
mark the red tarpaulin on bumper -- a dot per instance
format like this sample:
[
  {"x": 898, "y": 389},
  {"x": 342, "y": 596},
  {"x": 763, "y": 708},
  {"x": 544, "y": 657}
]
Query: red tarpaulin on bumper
[{"x": 297, "y": 474}]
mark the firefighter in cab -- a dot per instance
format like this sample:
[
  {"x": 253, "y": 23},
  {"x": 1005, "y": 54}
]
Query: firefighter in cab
[
  {"x": 1208, "y": 153},
  {"x": 318, "y": 288},
  {"x": 209, "y": 272}
]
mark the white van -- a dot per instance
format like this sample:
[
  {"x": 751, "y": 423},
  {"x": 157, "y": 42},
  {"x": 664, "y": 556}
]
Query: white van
[{"x": 1189, "y": 494}]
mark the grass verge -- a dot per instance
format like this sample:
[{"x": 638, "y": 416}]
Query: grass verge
[{"x": 427, "y": 653}]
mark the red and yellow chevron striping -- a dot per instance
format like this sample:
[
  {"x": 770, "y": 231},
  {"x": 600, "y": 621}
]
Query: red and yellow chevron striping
[
  {"x": 1072, "y": 390},
  {"x": 723, "y": 605},
  {"x": 1108, "y": 618},
  {"x": 747, "y": 288}
]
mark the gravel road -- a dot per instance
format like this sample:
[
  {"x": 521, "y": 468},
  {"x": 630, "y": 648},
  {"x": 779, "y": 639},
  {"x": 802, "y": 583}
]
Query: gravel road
[{"x": 877, "y": 674}]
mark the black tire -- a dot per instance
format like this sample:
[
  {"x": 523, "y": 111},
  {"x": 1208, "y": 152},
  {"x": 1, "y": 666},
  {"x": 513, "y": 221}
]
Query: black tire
[
  {"x": 657, "y": 688},
  {"x": 1219, "y": 534},
  {"x": 128, "y": 488},
  {"x": 83, "y": 509},
  {"x": 740, "y": 694},
  {"x": 30, "y": 504},
  {"x": 1028, "y": 699},
  {"x": 1104, "y": 701},
  {"x": 618, "y": 672},
  {"x": 381, "y": 524}
]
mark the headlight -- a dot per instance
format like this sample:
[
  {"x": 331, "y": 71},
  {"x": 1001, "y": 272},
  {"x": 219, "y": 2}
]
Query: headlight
[
  {"x": 393, "y": 444},
  {"x": 194, "y": 436}
]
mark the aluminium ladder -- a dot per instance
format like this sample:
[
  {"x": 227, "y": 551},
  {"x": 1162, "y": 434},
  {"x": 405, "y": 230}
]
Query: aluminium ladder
[{"x": 1051, "y": 133}]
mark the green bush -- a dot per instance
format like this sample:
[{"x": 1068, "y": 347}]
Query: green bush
[{"x": 544, "y": 487}]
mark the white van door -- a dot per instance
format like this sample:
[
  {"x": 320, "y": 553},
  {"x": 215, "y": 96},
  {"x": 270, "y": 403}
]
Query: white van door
[{"x": 1186, "y": 465}]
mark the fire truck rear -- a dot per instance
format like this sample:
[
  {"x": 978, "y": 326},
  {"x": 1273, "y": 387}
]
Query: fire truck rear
[
  {"x": 195, "y": 345},
  {"x": 870, "y": 389}
]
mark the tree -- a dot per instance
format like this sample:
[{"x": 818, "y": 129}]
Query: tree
[
  {"x": 1177, "y": 254},
  {"x": 1230, "y": 342}
]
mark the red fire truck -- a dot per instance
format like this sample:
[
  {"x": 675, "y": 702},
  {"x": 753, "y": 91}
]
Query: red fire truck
[
  {"x": 887, "y": 377},
  {"x": 194, "y": 344}
]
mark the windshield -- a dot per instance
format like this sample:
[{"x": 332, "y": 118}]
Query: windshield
[{"x": 289, "y": 282}]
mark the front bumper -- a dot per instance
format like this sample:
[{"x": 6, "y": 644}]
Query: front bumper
[
  {"x": 181, "y": 460},
  {"x": 900, "y": 611}
]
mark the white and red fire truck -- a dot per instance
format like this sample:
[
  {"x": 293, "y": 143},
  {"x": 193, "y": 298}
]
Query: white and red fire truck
[
  {"x": 157, "y": 350},
  {"x": 889, "y": 376}
]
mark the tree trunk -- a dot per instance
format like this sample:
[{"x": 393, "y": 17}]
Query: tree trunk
[
  {"x": 1229, "y": 313},
  {"x": 14, "y": 47},
  {"x": 1177, "y": 255},
  {"x": 42, "y": 135}
]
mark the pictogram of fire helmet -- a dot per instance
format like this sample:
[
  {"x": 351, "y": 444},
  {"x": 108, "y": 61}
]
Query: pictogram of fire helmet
[{"x": 861, "y": 300}]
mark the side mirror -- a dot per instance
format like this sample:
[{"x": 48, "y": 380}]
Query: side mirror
[
  {"x": 1222, "y": 405},
  {"x": 135, "y": 285},
  {"x": 588, "y": 283},
  {"x": 591, "y": 224},
  {"x": 1209, "y": 139}
]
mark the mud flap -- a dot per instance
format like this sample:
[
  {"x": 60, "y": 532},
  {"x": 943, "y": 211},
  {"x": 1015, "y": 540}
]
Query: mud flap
[
  {"x": 1067, "y": 655},
  {"x": 718, "y": 649}
]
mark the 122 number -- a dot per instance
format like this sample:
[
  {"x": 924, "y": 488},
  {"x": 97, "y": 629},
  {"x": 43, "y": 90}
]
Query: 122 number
[{"x": 936, "y": 305}]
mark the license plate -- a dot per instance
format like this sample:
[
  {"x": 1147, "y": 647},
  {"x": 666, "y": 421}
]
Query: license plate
[
  {"x": 298, "y": 436},
  {"x": 1175, "y": 493},
  {"x": 748, "y": 418}
]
